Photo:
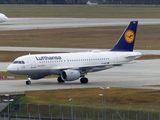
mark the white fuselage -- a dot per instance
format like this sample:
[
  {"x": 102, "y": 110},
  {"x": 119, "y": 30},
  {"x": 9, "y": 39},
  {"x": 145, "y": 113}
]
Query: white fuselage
[
  {"x": 3, "y": 18},
  {"x": 54, "y": 63}
]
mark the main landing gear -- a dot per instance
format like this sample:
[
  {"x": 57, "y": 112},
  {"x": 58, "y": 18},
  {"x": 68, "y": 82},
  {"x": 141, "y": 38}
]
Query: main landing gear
[
  {"x": 28, "y": 82},
  {"x": 59, "y": 79},
  {"x": 84, "y": 80}
]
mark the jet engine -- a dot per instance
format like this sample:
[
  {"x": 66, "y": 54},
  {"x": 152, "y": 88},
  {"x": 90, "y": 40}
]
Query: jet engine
[{"x": 70, "y": 75}]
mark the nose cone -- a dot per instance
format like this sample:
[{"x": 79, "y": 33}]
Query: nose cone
[{"x": 11, "y": 69}]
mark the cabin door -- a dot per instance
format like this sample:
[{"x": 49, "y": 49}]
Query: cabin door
[
  {"x": 33, "y": 62},
  {"x": 115, "y": 57}
]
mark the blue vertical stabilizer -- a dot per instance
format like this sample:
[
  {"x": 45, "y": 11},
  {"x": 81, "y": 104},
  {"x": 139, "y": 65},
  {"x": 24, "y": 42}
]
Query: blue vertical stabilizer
[{"x": 127, "y": 39}]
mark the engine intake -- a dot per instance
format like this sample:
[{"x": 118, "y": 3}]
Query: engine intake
[{"x": 70, "y": 75}]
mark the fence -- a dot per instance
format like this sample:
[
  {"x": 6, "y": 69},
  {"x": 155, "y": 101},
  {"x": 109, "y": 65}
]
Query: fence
[{"x": 28, "y": 111}]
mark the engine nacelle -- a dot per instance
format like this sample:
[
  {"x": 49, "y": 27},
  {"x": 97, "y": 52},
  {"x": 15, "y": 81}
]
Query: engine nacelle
[{"x": 70, "y": 75}]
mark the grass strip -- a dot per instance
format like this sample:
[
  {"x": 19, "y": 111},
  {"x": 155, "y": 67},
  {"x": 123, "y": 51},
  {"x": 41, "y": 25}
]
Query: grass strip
[
  {"x": 141, "y": 101},
  {"x": 90, "y": 96},
  {"x": 9, "y": 76},
  {"x": 92, "y": 37}
]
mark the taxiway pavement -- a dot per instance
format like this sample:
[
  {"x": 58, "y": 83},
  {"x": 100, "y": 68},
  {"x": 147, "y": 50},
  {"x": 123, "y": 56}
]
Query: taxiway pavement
[
  {"x": 51, "y": 23},
  {"x": 137, "y": 74},
  {"x": 40, "y": 49}
]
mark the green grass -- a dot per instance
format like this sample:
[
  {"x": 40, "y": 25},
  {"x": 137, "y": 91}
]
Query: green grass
[
  {"x": 92, "y": 37},
  {"x": 122, "y": 97},
  {"x": 16, "y": 77},
  {"x": 90, "y": 96},
  {"x": 82, "y": 11}
]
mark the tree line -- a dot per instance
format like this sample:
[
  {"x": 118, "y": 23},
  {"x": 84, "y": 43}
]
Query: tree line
[{"x": 79, "y": 1}]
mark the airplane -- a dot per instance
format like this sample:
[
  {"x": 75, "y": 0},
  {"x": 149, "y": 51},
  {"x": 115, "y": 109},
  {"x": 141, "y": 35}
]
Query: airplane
[
  {"x": 3, "y": 18},
  {"x": 72, "y": 66},
  {"x": 90, "y": 3}
]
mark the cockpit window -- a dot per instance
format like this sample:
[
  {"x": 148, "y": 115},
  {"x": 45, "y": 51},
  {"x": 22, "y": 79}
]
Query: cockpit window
[
  {"x": 15, "y": 62},
  {"x": 18, "y": 62}
]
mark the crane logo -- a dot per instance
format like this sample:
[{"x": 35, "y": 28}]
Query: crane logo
[{"x": 129, "y": 36}]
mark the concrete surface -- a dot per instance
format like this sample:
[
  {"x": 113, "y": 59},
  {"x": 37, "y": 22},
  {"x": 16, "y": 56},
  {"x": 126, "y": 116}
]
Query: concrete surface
[
  {"x": 51, "y": 23},
  {"x": 133, "y": 75}
]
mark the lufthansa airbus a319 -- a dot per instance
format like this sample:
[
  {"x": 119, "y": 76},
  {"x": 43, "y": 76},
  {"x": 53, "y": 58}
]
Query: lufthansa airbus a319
[{"x": 72, "y": 66}]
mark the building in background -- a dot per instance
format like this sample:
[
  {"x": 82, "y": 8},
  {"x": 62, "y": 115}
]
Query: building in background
[{"x": 92, "y": 2}]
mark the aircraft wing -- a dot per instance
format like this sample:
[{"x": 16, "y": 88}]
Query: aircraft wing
[
  {"x": 88, "y": 68},
  {"x": 91, "y": 68}
]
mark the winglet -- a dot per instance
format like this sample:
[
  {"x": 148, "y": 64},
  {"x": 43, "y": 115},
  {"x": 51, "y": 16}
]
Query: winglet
[{"x": 127, "y": 39}]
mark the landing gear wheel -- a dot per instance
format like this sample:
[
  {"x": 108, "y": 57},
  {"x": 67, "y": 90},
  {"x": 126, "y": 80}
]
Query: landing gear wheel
[
  {"x": 28, "y": 82},
  {"x": 59, "y": 79},
  {"x": 84, "y": 80}
]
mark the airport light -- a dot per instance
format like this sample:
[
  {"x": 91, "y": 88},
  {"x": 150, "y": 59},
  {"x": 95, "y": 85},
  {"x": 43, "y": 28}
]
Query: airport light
[
  {"x": 20, "y": 107},
  {"x": 128, "y": 112},
  {"x": 7, "y": 95},
  {"x": 82, "y": 111},
  {"x": 49, "y": 108},
  {"x": 38, "y": 107},
  {"x": 101, "y": 95},
  {"x": 27, "y": 107},
  {"x": 140, "y": 113},
  {"x": 71, "y": 100},
  {"x": 60, "y": 109},
  {"x": 152, "y": 114},
  {"x": 104, "y": 102}
]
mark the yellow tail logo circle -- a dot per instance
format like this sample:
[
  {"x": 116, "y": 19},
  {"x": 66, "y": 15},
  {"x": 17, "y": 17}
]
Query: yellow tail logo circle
[{"x": 129, "y": 36}]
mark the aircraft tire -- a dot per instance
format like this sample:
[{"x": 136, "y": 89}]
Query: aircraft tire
[
  {"x": 28, "y": 82},
  {"x": 59, "y": 79},
  {"x": 84, "y": 80}
]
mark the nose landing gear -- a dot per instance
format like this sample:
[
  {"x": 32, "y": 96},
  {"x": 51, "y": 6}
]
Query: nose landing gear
[{"x": 28, "y": 82}]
